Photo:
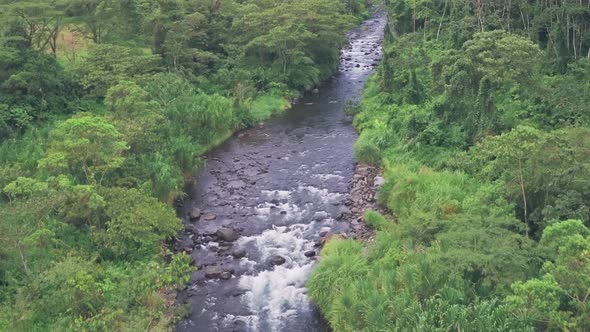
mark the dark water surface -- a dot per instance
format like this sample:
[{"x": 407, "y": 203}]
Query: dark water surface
[{"x": 280, "y": 186}]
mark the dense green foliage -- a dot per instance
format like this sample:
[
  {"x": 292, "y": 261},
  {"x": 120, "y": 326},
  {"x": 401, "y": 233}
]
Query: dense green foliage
[
  {"x": 105, "y": 110},
  {"x": 479, "y": 116}
]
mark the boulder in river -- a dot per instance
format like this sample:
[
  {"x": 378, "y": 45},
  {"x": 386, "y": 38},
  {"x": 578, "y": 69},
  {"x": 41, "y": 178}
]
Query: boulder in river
[
  {"x": 190, "y": 228},
  {"x": 309, "y": 253},
  {"x": 277, "y": 260},
  {"x": 209, "y": 216},
  {"x": 239, "y": 253},
  {"x": 225, "y": 275},
  {"x": 195, "y": 213},
  {"x": 227, "y": 234}
]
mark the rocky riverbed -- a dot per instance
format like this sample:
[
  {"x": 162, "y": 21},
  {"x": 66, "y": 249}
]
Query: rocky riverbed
[{"x": 267, "y": 200}]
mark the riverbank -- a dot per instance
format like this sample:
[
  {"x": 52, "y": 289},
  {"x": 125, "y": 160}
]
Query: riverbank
[{"x": 363, "y": 198}]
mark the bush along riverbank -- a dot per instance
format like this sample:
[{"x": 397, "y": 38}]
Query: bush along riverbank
[
  {"x": 103, "y": 124},
  {"x": 482, "y": 129}
]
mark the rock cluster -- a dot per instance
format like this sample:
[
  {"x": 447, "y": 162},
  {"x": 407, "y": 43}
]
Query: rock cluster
[{"x": 363, "y": 189}]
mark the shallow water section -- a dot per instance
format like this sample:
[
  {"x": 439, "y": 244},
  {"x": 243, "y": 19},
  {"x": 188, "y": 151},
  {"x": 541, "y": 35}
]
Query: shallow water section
[{"x": 281, "y": 187}]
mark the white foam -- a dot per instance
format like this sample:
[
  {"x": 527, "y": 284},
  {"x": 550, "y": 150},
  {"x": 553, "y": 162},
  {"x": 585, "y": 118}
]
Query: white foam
[
  {"x": 277, "y": 194},
  {"x": 323, "y": 194},
  {"x": 248, "y": 264},
  {"x": 251, "y": 321},
  {"x": 293, "y": 211},
  {"x": 326, "y": 177},
  {"x": 278, "y": 294}
]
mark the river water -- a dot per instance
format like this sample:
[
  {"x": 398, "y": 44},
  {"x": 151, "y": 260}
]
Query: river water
[{"x": 281, "y": 186}]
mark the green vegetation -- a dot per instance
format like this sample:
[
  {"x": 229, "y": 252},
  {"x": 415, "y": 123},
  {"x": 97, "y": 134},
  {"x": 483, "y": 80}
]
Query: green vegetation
[
  {"x": 479, "y": 116},
  {"x": 105, "y": 110}
]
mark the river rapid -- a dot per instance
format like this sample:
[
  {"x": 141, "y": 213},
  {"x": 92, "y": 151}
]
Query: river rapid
[{"x": 264, "y": 201}]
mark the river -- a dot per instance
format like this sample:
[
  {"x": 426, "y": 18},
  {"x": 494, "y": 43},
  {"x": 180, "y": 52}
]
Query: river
[{"x": 281, "y": 186}]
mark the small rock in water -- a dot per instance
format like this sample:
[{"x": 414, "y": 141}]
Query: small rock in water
[
  {"x": 239, "y": 253},
  {"x": 225, "y": 275},
  {"x": 209, "y": 216},
  {"x": 277, "y": 260},
  {"x": 190, "y": 228},
  {"x": 227, "y": 234},
  {"x": 213, "y": 272},
  {"x": 283, "y": 212},
  {"x": 309, "y": 253},
  {"x": 195, "y": 213}
]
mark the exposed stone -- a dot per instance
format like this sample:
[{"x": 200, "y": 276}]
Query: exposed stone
[
  {"x": 227, "y": 234},
  {"x": 343, "y": 212},
  {"x": 225, "y": 275},
  {"x": 190, "y": 228},
  {"x": 209, "y": 216},
  {"x": 239, "y": 253},
  {"x": 277, "y": 260},
  {"x": 309, "y": 253},
  {"x": 213, "y": 272},
  {"x": 195, "y": 213},
  {"x": 379, "y": 180}
]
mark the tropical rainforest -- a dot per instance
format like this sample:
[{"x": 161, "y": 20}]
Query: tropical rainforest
[
  {"x": 106, "y": 108},
  {"x": 479, "y": 116}
]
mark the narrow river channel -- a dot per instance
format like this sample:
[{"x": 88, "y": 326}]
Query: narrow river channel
[{"x": 265, "y": 199}]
